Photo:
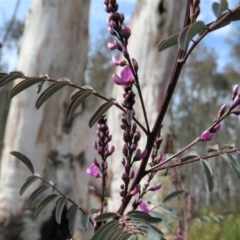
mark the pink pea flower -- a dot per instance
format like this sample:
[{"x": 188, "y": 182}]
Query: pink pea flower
[
  {"x": 143, "y": 207},
  {"x": 126, "y": 77},
  {"x": 93, "y": 170}
]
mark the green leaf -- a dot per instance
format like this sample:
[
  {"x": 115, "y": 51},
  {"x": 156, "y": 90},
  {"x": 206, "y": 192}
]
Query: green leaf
[
  {"x": 87, "y": 87},
  {"x": 44, "y": 203},
  {"x": 59, "y": 209},
  {"x": 75, "y": 93},
  {"x": 24, "y": 85},
  {"x": 214, "y": 148},
  {"x": 169, "y": 42},
  {"x": 207, "y": 218},
  {"x": 143, "y": 216},
  {"x": 164, "y": 221},
  {"x": 215, "y": 218},
  {"x": 114, "y": 232},
  {"x": 220, "y": 25},
  {"x": 39, "y": 86},
  {"x": 10, "y": 78},
  {"x": 71, "y": 216},
  {"x": 35, "y": 194},
  {"x": 208, "y": 174},
  {"x": 129, "y": 117},
  {"x": 75, "y": 104},
  {"x": 182, "y": 36},
  {"x": 98, "y": 114},
  {"x": 24, "y": 159},
  {"x": 192, "y": 154},
  {"x": 168, "y": 210},
  {"x": 172, "y": 195},
  {"x": 234, "y": 16},
  {"x": 219, "y": 8},
  {"x": 85, "y": 221},
  {"x": 105, "y": 216},
  {"x": 232, "y": 162},
  {"x": 227, "y": 147},
  {"x": 49, "y": 92},
  {"x": 103, "y": 231},
  {"x": 188, "y": 33},
  {"x": 28, "y": 182}
]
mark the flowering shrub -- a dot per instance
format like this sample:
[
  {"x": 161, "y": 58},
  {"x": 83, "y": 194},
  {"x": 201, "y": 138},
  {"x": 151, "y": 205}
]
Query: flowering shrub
[{"x": 140, "y": 220}]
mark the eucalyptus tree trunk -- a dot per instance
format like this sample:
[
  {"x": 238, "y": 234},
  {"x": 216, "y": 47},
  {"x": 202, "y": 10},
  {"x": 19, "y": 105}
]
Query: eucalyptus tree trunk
[
  {"x": 55, "y": 42},
  {"x": 152, "y": 21}
]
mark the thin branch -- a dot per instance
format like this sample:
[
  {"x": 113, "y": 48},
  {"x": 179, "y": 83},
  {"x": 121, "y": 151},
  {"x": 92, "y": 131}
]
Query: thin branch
[
  {"x": 197, "y": 159},
  {"x": 69, "y": 199}
]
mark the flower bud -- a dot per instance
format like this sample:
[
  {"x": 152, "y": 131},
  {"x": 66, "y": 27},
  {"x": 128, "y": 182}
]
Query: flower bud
[
  {"x": 235, "y": 102},
  {"x": 222, "y": 110},
  {"x": 135, "y": 64},
  {"x": 135, "y": 190},
  {"x": 132, "y": 174},
  {"x": 235, "y": 91},
  {"x": 157, "y": 187},
  {"x": 111, "y": 46},
  {"x": 121, "y": 17},
  {"x": 216, "y": 128},
  {"x": 206, "y": 136}
]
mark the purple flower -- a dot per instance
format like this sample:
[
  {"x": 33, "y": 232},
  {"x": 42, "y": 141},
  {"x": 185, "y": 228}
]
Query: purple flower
[
  {"x": 206, "y": 136},
  {"x": 143, "y": 207},
  {"x": 126, "y": 77},
  {"x": 93, "y": 170}
]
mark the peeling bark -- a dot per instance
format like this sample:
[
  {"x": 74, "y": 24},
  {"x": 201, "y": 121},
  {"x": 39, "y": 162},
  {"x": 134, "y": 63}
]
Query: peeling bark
[{"x": 55, "y": 41}]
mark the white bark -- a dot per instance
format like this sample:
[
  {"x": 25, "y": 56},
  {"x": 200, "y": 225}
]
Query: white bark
[
  {"x": 54, "y": 42},
  {"x": 148, "y": 28}
]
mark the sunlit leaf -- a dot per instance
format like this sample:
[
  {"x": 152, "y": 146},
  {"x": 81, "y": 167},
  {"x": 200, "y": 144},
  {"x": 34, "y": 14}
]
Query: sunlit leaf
[
  {"x": 10, "y": 78},
  {"x": 169, "y": 42},
  {"x": 75, "y": 104},
  {"x": 59, "y": 209},
  {"x": 34, "y": 195},
  {"x": 23, "y": 159},
  {"x": 172, "y": 195},
  {"x": 49, "y": 92},
  {"x": 28, "y": 182},
  {"x": 208, "y": 174},
  {"x": 71, "y": 216},
  {"x": 24, "y": 85},
  {"x": 44, "y": 203},
  {"x": 98, "y": 114}
]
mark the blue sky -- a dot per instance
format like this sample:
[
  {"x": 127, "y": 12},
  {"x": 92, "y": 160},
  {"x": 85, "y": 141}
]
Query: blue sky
[{"x": 215, "y": 40}]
